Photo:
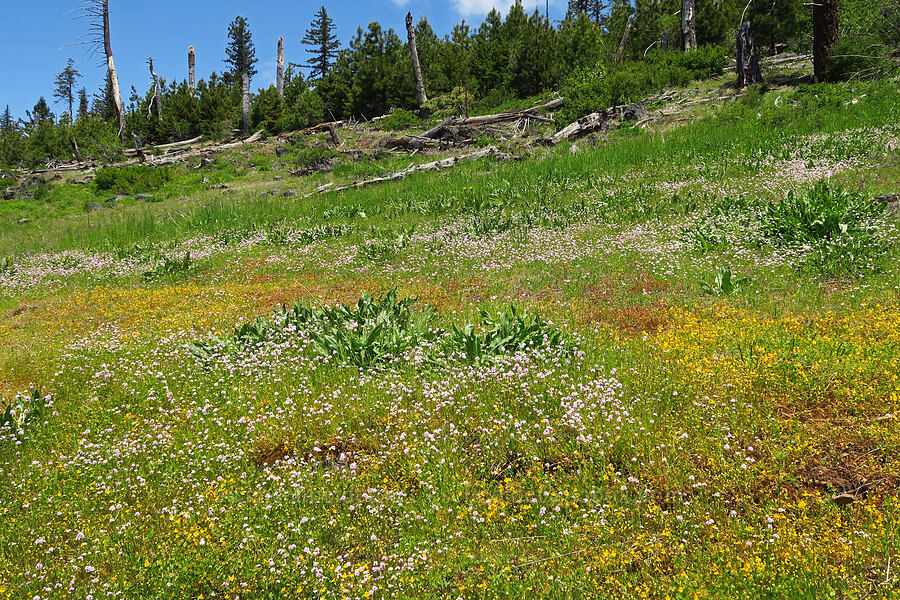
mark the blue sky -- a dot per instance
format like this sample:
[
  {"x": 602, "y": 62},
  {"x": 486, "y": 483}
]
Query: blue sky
[{"x": 37, "y": 34}]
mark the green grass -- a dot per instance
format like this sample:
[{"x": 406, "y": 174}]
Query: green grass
[{"x": 619, "y": 376}]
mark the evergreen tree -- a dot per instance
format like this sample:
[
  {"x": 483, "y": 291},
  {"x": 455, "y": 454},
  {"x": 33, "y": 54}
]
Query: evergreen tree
[
  {"x": 6, "y": 120},
  {"x": 240, "y": 54},
  {"x": 104, "y": 105},
  {"x": 40, "y": 113},
  {"x": 322, "y": 44},
  {"x": 83, "y": 107},
  {"x": 65, "y": 86},
  {"x": 593, "y": 9}
]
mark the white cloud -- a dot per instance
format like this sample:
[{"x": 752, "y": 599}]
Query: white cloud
[{"x": 468, "y": 8}]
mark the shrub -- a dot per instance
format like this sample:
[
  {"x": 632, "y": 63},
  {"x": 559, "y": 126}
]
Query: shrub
[
  {"x": 837, "y": 228},
  {"x": 372, "y": 332},
  {"x": 597, "y": 88},
  {"x": 138, "y": 179},
  {"x": 508, "y": 333},
  {"x": 313, "y": 156},
  {"x": 399, "y": 119}
]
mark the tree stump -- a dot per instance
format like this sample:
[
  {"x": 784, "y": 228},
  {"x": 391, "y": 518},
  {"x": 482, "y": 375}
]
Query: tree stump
[{"x": 747, "y": 57}]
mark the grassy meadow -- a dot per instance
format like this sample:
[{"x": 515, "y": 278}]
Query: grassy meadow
[{"x": 661, "y": 364}]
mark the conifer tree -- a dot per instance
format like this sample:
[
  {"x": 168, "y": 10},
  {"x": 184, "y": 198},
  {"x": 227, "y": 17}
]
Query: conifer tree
[
  {"x": 65, "y": 86},
  {"x": 240, "y": 55},
  {"x": 40, "y": 112},
  {"x": 6, "y": 120},
  {"x": 322, "y": 44},
  {"x": 83, "y": 107}
]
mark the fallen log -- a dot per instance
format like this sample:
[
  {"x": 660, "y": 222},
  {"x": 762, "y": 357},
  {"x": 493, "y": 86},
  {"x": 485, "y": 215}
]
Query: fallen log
[
  {"x": 511, "y": 115},
  {"x": 444, "y": 163},
  {"x": 321, "y": 127},
  {"x": 579, "y": 128},
  {"x": 131, "y": 152}
]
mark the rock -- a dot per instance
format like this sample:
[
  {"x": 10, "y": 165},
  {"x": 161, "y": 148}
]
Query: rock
[
  {"x": 891, "y": 201},
  {"x": 23, "y": 221},
  {"x": 204, "y": 180},
  {"x": 289, "y": 193},
  {"x": 845, "y": 499},
  {"x": 634, "y": 112},
  {"x": 574, "y": 149},
  {"x": 280, "y": 151},
  {"x": 82, "y": 180},
  {"x": 145, "y": 197},
  {"x": 93, "y": 206},
  {"x": 112, "y": 201}
]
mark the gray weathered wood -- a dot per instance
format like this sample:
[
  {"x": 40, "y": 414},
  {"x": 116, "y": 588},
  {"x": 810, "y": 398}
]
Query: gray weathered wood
[
  {"x": 416, "y": 67},
  {"x": 747, "y": 57},
  {"x": 192, "y": 82},
  {"x": 688, "y": 25},
  {"x": 156, "y": 95},
  {"x": 624, "y": 40},
  {"x": 245, "y": 104},
  {"x": 280, "y": 76}
]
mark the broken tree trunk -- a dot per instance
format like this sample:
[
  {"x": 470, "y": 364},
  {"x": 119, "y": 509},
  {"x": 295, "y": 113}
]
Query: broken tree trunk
[
  {"x": 111, "y": 67},
  {"x": 280, "y": 76},
  {"x": 416, "y": 67},
  {"x": 192, "y": 83},
  {"x": 664, "y": 41},
  {"x": 825, "y": 35},
  {"x": 75, "y": 149},
  {"x": 688, "y": 25},
  {"x": 245, "y": 104},
  {"x": 747, "y": 57},
  {"x": 139, "y": 148},
  {"x": 624, "y": 41},
  {"x": 156, "y": 95}
]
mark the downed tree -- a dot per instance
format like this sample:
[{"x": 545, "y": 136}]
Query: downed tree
[
  {"x": 445, "y": 126},
  {"x": 444, "y": 163},
  {"x": 322, "y": 127}
]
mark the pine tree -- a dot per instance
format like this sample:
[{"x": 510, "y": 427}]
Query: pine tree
[
  {"x": 240, "y": 53},
  {"x": 65, "y": 86},
  {"x": 241, "y": 56},
  {"x": 40, "y": 112},
  {"x": 83, "y": 107},
  {"x": 323, "y": 44},
  {"x": 104, "y": 104},
  {"x": 592, "y": 8},
  {"x": 6, "y": 120}
]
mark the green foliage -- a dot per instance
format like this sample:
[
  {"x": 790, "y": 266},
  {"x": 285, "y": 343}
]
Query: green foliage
[
  {"x": 23, "y": 409},
  {"x": 724, "y": 283},
  {"x": 838, "y": 228},
  {"x": 311, "y": 156},
  {"x": 507, "y": 333},
  {"x": 374, "y": 331},
  {"x": 321, "y": 43},
  {"x": 400, "y": 119},
  {"x": 138, "y": 179},
  {"x": 169, "y": 266},
  {"x": 593, "y": 89}
]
